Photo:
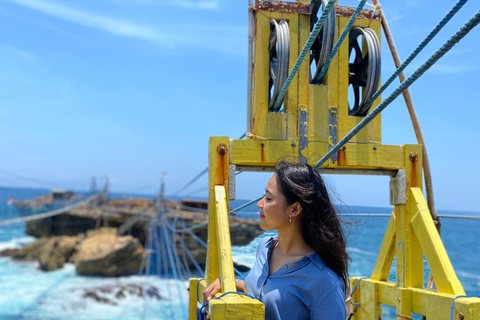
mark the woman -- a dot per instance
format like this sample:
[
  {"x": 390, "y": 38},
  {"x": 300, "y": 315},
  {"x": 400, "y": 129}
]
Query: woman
[{"x": 298, "y": 277}]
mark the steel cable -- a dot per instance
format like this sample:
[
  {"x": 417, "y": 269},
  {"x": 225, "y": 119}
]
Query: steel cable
[
  {"x": 415, "y": 75},
  {"x": 415, "y": 53},
  {"x": 313, "y": 35}
]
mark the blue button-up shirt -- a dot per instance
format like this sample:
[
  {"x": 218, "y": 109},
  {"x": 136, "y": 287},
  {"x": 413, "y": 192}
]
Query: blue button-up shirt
[{"x": 305, "y": 289}]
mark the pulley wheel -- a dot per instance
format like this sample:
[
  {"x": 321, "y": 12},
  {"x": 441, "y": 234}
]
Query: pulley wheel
[
  {"x": 323, "y": 44},
  {"x": 364, "y": 67},
  {"x": 279, "y": 48}
]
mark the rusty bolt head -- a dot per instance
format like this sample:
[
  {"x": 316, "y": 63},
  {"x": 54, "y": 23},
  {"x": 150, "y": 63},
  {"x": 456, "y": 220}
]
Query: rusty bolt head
[
  {"x": 222, "y": 149},
  {"x": 262, "y": 145},
  {"x": 293, "y": 144},
  {"x": 413, "y": 157}
]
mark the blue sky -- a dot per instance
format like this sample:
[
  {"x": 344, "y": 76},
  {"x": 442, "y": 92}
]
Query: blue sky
[{"x": 130, "y": 89}]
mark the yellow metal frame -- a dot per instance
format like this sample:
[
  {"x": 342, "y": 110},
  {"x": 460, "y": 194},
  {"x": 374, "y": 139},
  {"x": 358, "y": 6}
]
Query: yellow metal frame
[{"x": 410, "y": 234}]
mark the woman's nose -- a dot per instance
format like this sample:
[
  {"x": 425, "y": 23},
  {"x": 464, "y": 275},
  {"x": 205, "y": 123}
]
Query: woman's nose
[{"x": 260, "y": 203}]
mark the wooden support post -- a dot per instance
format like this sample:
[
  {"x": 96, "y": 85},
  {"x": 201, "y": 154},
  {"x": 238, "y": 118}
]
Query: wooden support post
[
  {"x": 218, "y": 175},
  {"x": 227, "y": 274}
]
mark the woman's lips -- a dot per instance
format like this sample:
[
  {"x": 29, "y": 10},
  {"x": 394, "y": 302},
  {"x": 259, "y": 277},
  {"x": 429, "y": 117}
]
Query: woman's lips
[{"x": 261, "y": 215}]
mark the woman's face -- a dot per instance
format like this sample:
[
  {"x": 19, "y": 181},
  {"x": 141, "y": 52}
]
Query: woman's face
[{"x": 274, "y": 211}]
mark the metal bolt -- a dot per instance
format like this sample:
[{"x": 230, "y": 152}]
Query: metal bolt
[
  {"x": 222, "y": 149},
  {"x": 374, "y": 148},
  {"x": 413, "y": 157},
  {"x": 344, "y": 148},
  {"x": 262, "y": 145},
  {"x": 293, "y": 144},
  {"x": 460, "y": 316}
]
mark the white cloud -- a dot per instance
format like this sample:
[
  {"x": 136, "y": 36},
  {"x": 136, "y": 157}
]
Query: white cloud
[
  {"x": 29, "y": 57},
  {"x": 188, "y": 4},
  {"x": 113, "y": 25},
  {"x": 198, "y": 36}
]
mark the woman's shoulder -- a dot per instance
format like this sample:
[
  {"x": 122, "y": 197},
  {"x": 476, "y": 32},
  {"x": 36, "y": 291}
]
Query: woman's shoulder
[
  {"x": 321, "y": 273},
  {"x": 265, "y": 242}
]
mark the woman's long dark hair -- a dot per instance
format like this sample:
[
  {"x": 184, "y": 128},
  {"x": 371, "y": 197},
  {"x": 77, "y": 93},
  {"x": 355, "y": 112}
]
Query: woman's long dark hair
[{"x": 321, "y": 228}]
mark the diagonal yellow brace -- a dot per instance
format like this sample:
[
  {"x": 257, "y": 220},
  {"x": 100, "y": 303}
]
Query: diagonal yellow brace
[
  {"x": 386, "y": 254},
  {"x": 437, "y": 258}
]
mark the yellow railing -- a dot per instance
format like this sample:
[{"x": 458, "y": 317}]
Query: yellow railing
[{"x": 230, "y": 306}]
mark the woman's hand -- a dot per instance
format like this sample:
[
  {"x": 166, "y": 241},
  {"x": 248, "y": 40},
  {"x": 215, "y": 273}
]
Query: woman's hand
[{"x": 210, "y": 292}]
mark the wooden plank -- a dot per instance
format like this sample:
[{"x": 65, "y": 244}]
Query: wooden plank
[
  {"x": 277, "y": 126},
  {"x": 445, "y": 278},
  {"x": 409, "y": 253},
  {"x": 260, "y": 76},
  {"x": 354, "y": 156},
  {"x": 404, "y": 302},
  {"x": 262, "y": 152},
  {"x": 291, "y": 98},
  {"x": 385, "y": 257},
  {"x": 218, "y": 174},
  {"x": 192, "y": 302},
  {"x": 369, "y": 306},
  {"x": 227, "y": 274},
  {"x": 435, "y": 305},
  {"x": 318, "y": 114}
]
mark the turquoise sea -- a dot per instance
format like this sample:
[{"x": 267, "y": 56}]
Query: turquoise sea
[{"x": 28, "y": 293}]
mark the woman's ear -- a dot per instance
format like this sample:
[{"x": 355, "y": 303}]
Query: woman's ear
[{"x": 296, "y": 209}]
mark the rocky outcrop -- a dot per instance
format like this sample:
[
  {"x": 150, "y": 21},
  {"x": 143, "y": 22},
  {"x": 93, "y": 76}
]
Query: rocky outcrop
[
  {"x": 56, "y": 251},
  {"x": 109, "y": 255},
  {"x": 100, "y": 254}
]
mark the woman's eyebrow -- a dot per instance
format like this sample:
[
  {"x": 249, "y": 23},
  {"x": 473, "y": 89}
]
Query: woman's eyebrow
[{"x": 267, "y": 191}]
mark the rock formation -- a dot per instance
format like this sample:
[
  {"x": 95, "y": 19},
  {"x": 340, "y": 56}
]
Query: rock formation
[{"x": 109, "y": 255}]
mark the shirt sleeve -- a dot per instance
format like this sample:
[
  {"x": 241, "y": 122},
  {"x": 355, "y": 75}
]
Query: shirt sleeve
[{"x": 331, "y": 306}]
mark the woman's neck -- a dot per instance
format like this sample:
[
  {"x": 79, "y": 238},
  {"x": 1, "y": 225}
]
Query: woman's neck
[{"x": 291, "y": 242}]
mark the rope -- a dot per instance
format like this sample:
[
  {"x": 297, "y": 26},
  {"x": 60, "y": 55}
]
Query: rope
[
  {"x": 424, "y": 67},
  {"x": 195, "y": 263},
  {"x": 50, "y": 213},
  {"x": 453, "y": 303},
  {"x": 246, "y": 204},
  {"x": 415, "y": 52},
  {"x": 172, "y": 263},
  {"x": 357, "y": 305},
  {"x": 188, "y": 184},
  {"x": 318, "y": 79},
  {"x": 313, "y": 35}
]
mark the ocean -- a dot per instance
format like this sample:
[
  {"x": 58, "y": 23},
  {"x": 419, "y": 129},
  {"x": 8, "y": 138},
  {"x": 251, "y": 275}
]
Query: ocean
[{"x": 28, "y": 293}]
